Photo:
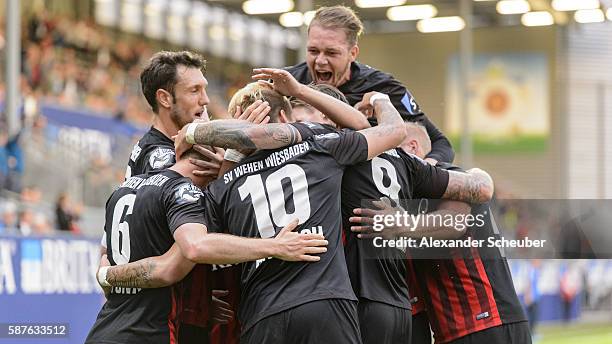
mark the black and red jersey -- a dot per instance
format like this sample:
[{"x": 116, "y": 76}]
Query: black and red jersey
[
  {"x": 265, "y": 192},
  {"x": 417, "y": 300},
  {"x": 141, "y": 218},
  {"x": 365, "y": 79},
  {"x": 466, "y": 293},
  {"x": 379, "y": 274}
]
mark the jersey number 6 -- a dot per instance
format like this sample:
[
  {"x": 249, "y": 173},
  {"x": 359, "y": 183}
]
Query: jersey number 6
[{"x": 120, "y": 230}]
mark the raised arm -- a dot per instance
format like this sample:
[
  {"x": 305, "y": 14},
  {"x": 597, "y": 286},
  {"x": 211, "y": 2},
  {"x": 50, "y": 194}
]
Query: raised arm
[
  {"x": 390, "y": 131},
  {"x": 237, "y": 134},
  {"x": 475, "y": 186},
  {"x": 339, "y": 112}
]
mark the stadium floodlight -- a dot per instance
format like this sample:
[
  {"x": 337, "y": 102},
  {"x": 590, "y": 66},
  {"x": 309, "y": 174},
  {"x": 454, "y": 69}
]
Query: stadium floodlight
[
  {"x": 308, "y": 17},
  {"x": 266, "y": 6},
  {"x": 378, "y": 3},
  {"x": 512, "y": 7},
  {"x": 291, "y": 19},
  {"x": 574, "y": 5},
  {"x": 537, "y": 18},
  {"x": 589, "y": 16},
  {"x": 415, "y": 12},
  {"x": 609, "y": 13},
  {"x": 441, "y": 24}
]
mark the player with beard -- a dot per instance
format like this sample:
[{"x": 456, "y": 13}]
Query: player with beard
[
  {"x": 144, "y": 217},
  {"x": 331, "y": 56},
  {"x": 174, "y": 85},
  {"x": 468, "y": 295}
]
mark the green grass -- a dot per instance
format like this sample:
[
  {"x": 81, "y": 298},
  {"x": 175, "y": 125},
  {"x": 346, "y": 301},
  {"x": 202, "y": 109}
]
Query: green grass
[
  {"x": 519, "y": 144},
  {"x": 575, "y": 334}
]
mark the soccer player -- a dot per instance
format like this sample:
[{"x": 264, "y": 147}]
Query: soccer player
[
  {"x": 331, "y": 56},
  {"x": 301, "y": 180},
  {"x": 174, "y": 85},
  {"x": 144, "y": 217},
  {"x": 469, "y": 296},
  {"x": 303, "y": 112},
  {"x": 378, "y": 275},
  {"x": 175, "y": 88}
]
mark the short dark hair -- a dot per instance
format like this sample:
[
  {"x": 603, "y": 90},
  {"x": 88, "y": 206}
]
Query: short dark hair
[{"x": 160, "y": 72}]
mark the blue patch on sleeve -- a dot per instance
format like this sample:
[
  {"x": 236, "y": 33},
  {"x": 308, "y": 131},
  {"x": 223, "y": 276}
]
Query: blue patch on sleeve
[{"x": 410, "y": 104}]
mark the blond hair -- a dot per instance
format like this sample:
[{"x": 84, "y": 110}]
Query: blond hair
[
  {"x": 254, "y": 91},
  {"x": 339, "y": 17}
]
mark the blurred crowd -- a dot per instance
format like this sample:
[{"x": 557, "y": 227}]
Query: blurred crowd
[
  {"x": 27, "y": 214},
  {"x": 74, "y": 63}
]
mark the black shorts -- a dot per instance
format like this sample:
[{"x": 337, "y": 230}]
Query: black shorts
[
  {"x": 191, "y": 334},
  {"x": 382, "y": 323},
  {"x": 322, "y": 321},
  {"x": 515, "y": 333},
  {"x": 421, "y": 333}
]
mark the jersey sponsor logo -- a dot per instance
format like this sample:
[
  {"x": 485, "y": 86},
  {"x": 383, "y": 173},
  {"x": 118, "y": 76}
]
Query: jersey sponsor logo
[
  {"x": 482, "y": 316},
  {"x": 135, "y": 151},
  {"x": 418, "y": 159},
  {"x": 187, "y": 193},
  {"x": 410, "y": 104},
  {"x": 312, "y": 125},
  {"x": 392, "y": 152},
  {"x": 161, "y": 157},
  {"x": 328, "y": 136}
]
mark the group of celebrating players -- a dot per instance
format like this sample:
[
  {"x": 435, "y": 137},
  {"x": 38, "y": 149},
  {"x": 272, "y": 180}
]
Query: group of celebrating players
[{"x": 269, "y": 214}]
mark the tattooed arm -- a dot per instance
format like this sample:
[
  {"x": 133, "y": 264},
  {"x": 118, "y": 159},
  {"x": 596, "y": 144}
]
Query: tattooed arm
[
  {"x": 151, "y": 272},
  {"x": 390, "y": 131},
  {"x": 195, "y": 245},
  {"x": 238, "y": 134},
  {"x": 475, "y": 186}
]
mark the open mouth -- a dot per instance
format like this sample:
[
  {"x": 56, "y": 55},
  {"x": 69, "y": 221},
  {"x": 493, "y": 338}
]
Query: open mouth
[
  {"x": 201, "y": 115},
  {"x": 323, "y": 76}
]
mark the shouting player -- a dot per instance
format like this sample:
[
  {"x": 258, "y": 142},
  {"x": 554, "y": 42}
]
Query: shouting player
[{"x": 332, "y": 51}]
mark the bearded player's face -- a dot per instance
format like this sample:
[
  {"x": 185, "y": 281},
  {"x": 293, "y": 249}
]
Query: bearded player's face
[
  {"x": 329, "y": 55},
  {"x": 190, "y": 98}
]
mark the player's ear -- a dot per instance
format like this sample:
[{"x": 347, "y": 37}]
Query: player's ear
[
  {"x": 414, "y": 147},
  {"x": 353, "y": 52},
  {"x": 164, "y": 98},
  {"x": 282, "y": 117}
]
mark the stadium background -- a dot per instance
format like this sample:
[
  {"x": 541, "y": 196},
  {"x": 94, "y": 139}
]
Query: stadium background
[{"x": 540, "y": 121}]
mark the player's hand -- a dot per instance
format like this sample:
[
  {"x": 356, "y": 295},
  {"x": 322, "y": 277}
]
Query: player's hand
[
  {"x": 222, "y": 312},
  {"x": 282, "y": 81},
  {"x": 104, "y": 262},
  {"x": 180, "y": 142},
  {"x": 364, "y": 104},
  {"x": 299, "y": 247},
  {"x": 256, "y": 113},
  {"x": 368, "y": 217},
  {"x": 210, "y": 167}
]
